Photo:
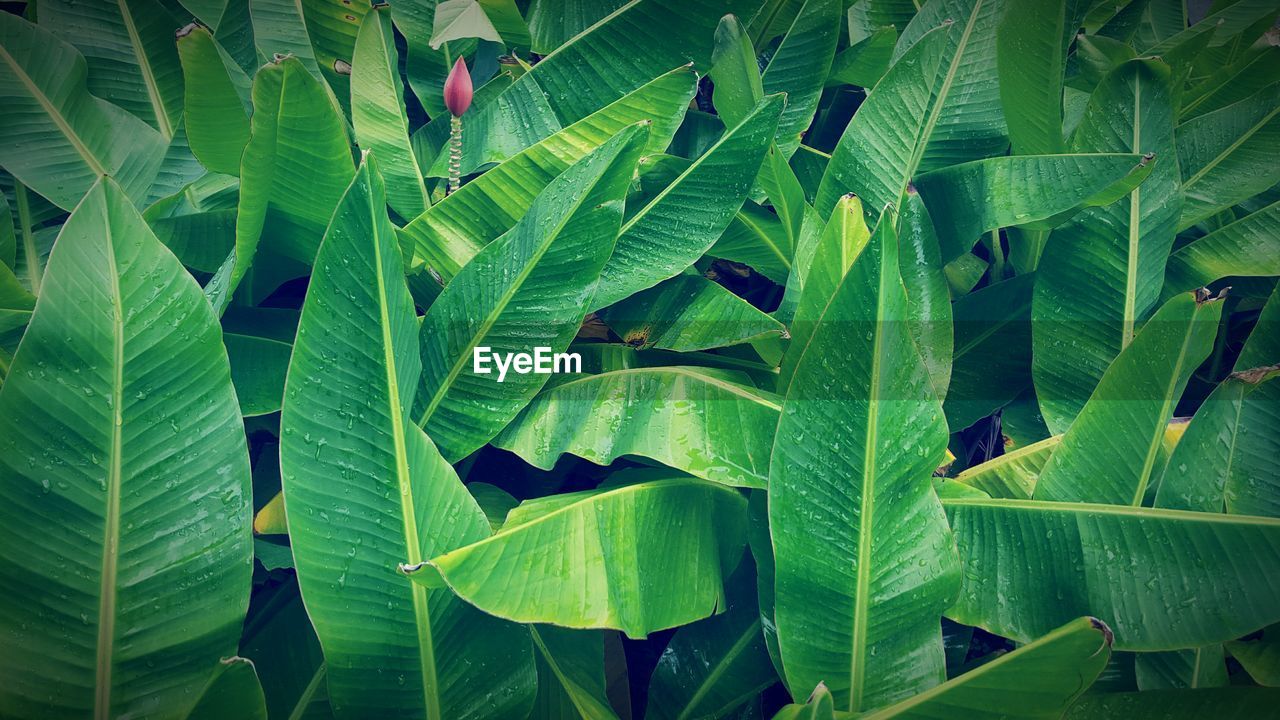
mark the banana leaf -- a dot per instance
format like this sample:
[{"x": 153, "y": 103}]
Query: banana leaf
[
  {"x": 365, "y": 489},
  {"x": 976, "y": 197},
  {"x": 1225, "y": 155},
  {"x": 674, "y": 229},
  {"x": 966, "y": 118},
  {"x": 604, "y": 558},
  {"x": 701, "y": 421},
  {"x": 293, "y": 171},
  {"x": 1160, "y": 579},
  {"x": 1237, "y": 703},
  {"x": 571, "y": 683},
  {"x": 846, "y": 613},
  {"x": 1012, "y": 475},
  {"x": 59, "y": 139},
  {"x": 1038, "y": 680},
  {"x": 1118, "y": 251},
  {"x": 688, "y": 313},
  {"x": 216, "y": 113},
  {"x": 112, "y": 417},
  {"x": 378, "y": 114},
  {"x": 129, "y": 49},
  {"x": 1248, "y": 247},
  {"x": 1032, "y": 39},
  {"x": 711, "y": 668}
]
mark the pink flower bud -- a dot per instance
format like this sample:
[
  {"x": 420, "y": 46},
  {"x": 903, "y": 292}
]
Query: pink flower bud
[{"x": 457, "y": 89}]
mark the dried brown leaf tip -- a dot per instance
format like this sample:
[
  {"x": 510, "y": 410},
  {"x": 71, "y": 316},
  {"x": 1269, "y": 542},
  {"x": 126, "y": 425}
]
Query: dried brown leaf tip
[{"x": 1253, "y": 376}]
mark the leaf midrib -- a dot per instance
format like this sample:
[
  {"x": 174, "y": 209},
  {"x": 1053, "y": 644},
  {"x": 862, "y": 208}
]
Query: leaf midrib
[
  {"x": 1128, "y": 511},
  {"x": 1135, "y": 230},
  {"x": 61, "y": 122},
  {"x": 422, "y": 616},
  {"x": 862, "y": 588},
  {"x": 148, "y": 73},
  {"x": 720, "y": 668},
  {"x": 111, "y": 521},
  {"x": 1166, "y": 410},
  {"x": 676, "y": 370},
  {"x": 755, "y": 227}
]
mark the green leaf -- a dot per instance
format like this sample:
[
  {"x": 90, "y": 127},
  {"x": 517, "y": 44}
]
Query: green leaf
[
  {"x": 881, "y": 148},
  {"x": 966, "y": 119},
  {"x": 735, "y": 72},
  {"x": 233, "y": 691},
  {"x": 570, "y": 674},
  {"x": 378, "y": 114},
  {"x": 1235, "y": 82},
  {"x": 8, "y": 236},
  {"x": 841, "y": 243},
  {"x": 576, "y": 84},
  {"x": 1012, "y": 475},
  {"x": 755, "y": 237},
  {"x": 1227, "y": 22},
  {"x": 112, "y": 417},
  {"x": 364, "y": 489},
  {"x": 553, "y": 23},
  {"x": 866, "y": 61},
  {"x": 494, "y": 501},
  {"x": 1210, "y": 575},
  {"x": 1228, "y": 456},
  {"x": 1031, "y": 52},
  {"x": 641, "y": 558},
  {"x": 1260, "y": 656},
  {"x": 1225, "y": 155},
  {"x": 799, "y": 68},
  {"x": 1118, "y": 251},
  {"x": 820, "y": 706},
  {"x": 992, "y": 340},
  {"x": 59, "y": 139},
  {"x": 688, "y": 313},
  {"x": 980, "y": 196},
  {"x": 258, "y": 368},
  {"x": 450, "y": 233},
  {"x": 698, "y": 420},
  {"x": 928, "y": 297},
  {"x": 860, "y": 434},
  {"x": 1038, "y": 680},
  {"x": 674, "y": 229},
  {"x": 217, "y": 119},
  {"x": 713, "y": 666},
  {"x": 198, "y": 223},
  {"x": 1248, "y": 247},
  {"x": 529, "y": 289},
  {"x": 279, "y": 30},
  {"x": 1109, "y": 454},
  {"x": 1237, "y": 703},
  {"x": 294, "y": 169},
  {"x": 129, "y": 48}
]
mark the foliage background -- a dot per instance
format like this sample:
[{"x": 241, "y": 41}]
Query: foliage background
[{"x": 912, "y": 384}]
